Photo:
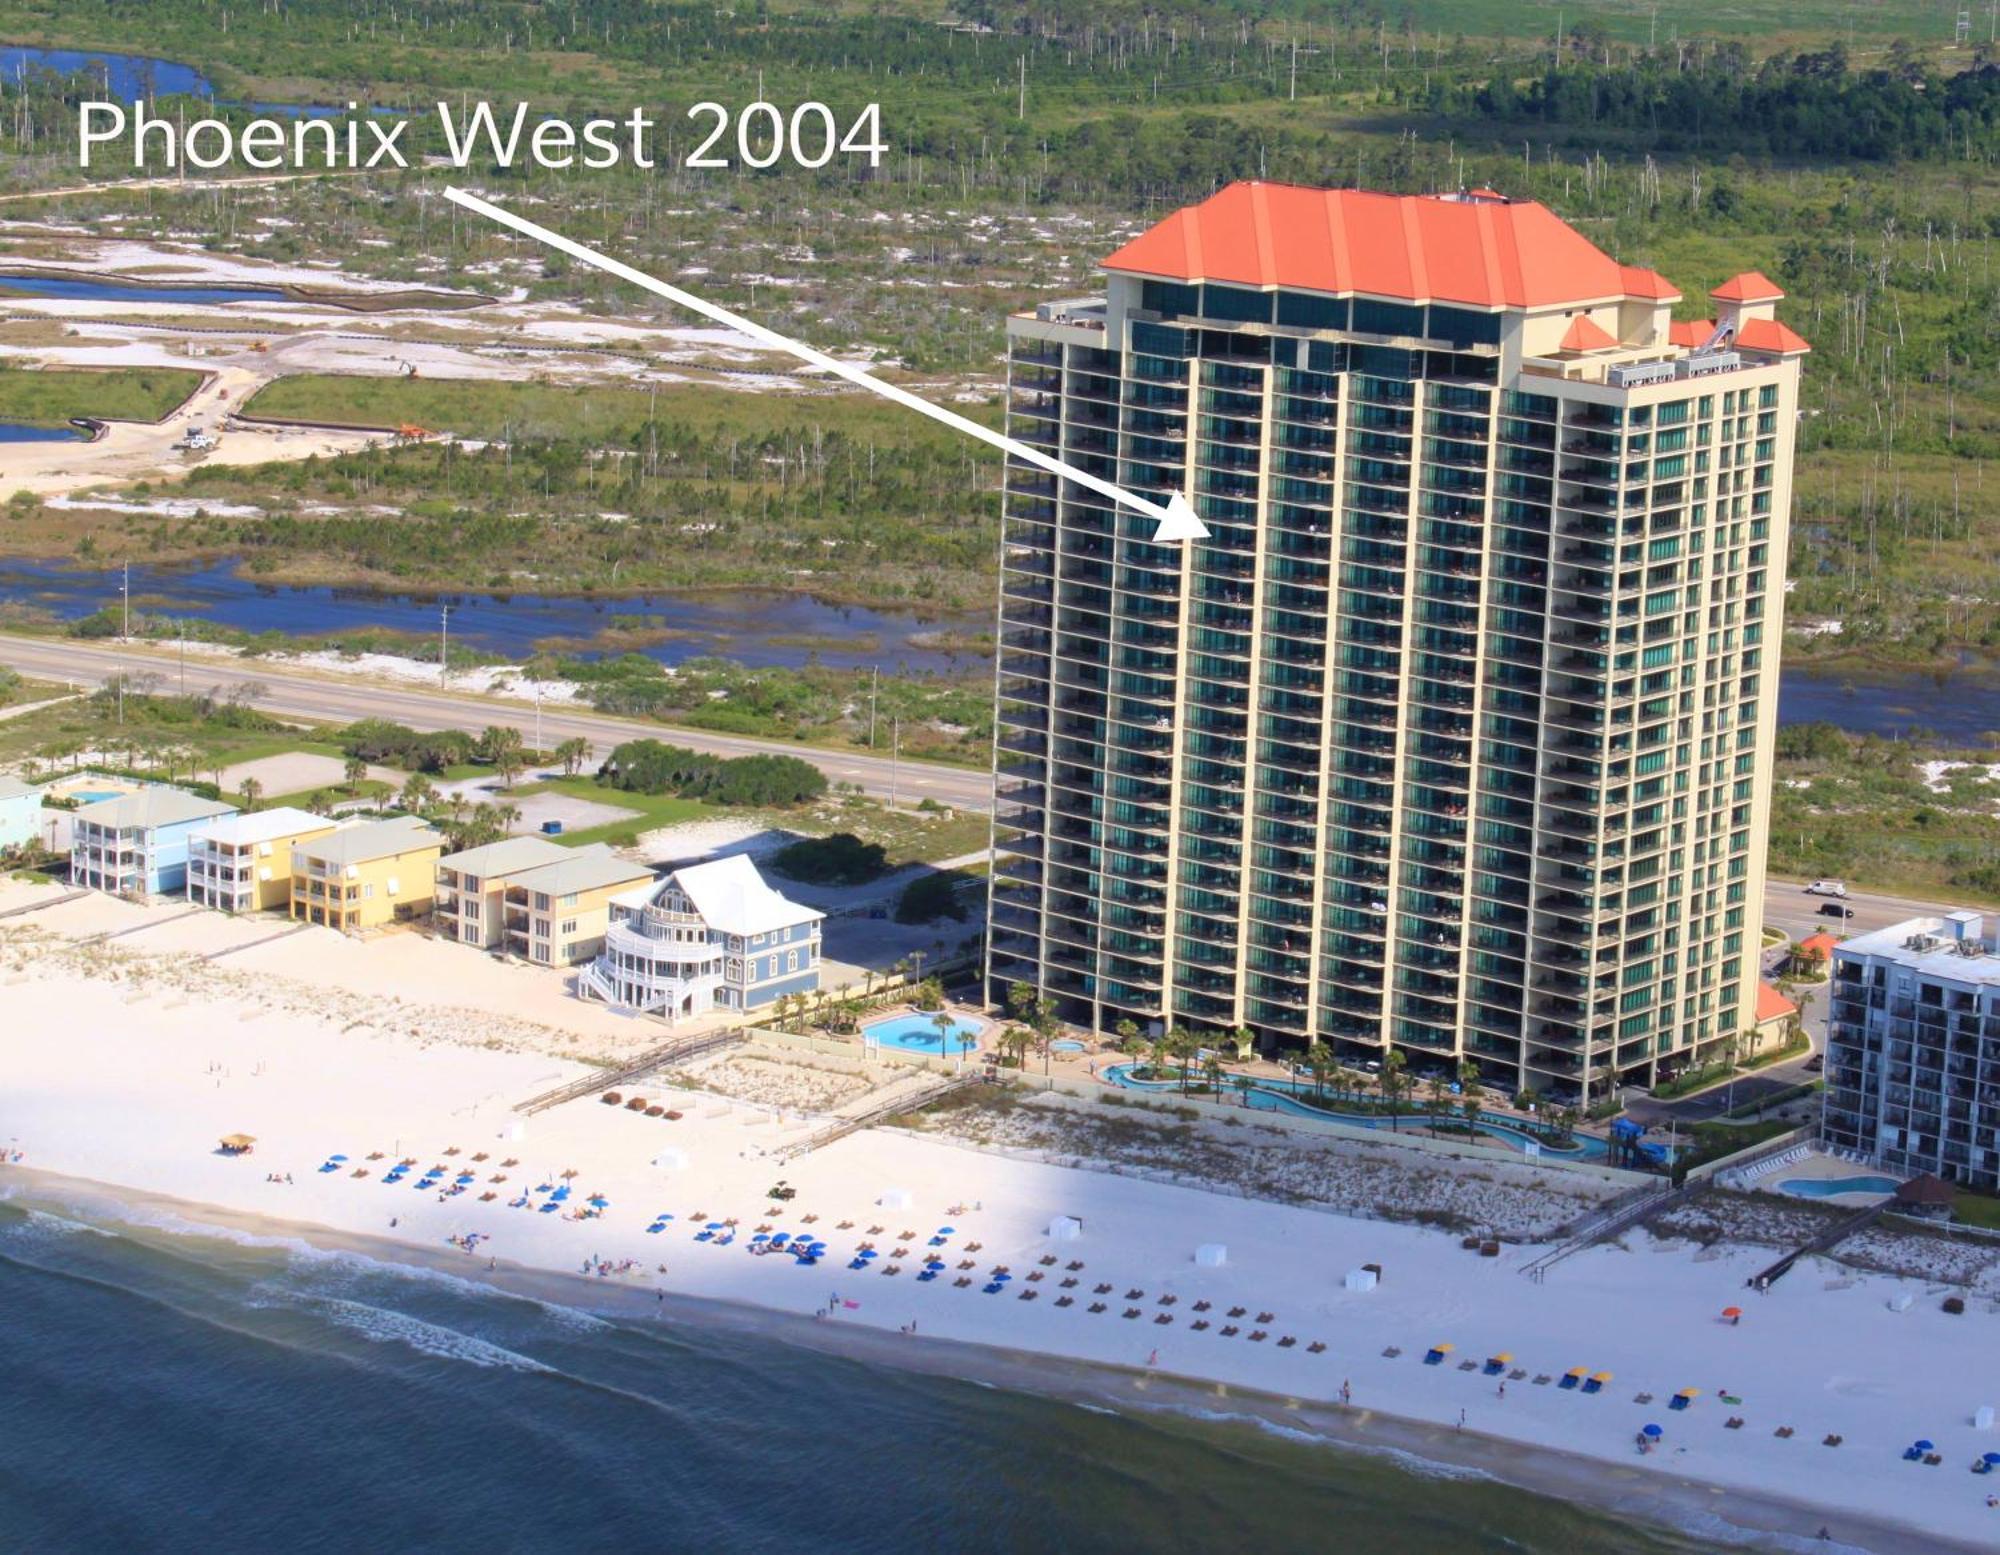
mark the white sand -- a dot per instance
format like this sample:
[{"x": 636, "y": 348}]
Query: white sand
[{"x": 157, "y": 1060}]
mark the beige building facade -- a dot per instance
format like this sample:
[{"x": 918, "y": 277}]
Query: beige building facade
[
  {"x": 366, "y": 875},
  {"x": 1452, "y": 735}
]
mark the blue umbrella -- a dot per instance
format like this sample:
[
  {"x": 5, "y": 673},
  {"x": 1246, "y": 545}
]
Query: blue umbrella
[
  {"x": 1653, "y": 1430},
  {"x": 336, "y": 1158},
  {"x": 941, "y": 1230},
  {"x": 1926, "y": 1446},
  {"x": 1993, "y": 1457},
  {"x": 869, "y": 1252}
]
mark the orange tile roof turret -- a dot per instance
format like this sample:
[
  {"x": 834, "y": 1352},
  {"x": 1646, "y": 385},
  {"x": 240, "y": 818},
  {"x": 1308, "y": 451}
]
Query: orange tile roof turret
[
  {"x": 1750, "y": 286},
  {"x": 1420, "y": 248},
  {"x": 1769, "y": 335},
  {"x": 1584, "y": 335}
]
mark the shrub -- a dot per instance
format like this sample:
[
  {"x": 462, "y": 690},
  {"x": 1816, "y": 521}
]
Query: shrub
[{"x": 931, "y": 897}]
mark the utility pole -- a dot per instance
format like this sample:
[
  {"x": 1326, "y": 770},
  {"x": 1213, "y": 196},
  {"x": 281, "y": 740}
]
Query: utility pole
[
  {"x": 125, "y": 593},
  {"x": 444, "y": 646},
  {"x": 895, "y": 751},
  {"x": 538, "y": 716},
  {"x": 874, "y": 685}
]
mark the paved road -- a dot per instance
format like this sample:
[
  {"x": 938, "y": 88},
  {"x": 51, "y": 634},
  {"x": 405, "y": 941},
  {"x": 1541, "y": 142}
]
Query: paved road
[{"x": 291, "y": 692}]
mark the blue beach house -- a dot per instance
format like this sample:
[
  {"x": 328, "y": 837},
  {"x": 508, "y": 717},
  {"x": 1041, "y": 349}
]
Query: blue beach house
[
  {"x": 137, "y": 844},
  {"x": 20, "y": 814},
  {"x": 712, "y": 936}
]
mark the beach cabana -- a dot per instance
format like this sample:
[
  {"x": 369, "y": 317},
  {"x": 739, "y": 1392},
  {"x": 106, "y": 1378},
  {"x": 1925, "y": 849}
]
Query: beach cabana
[
  {"x": 1685, "y": 1397},
  {"x": 1594, "y": 1383},
  {"x": 672, "y": 1160},
  {"x": 894, "y": 1198},
  {"x": 1064, "y": 1228},
  {"x": 1573, "y": 1378},
  {"x": 1435, "y": 1355},
  {"x": 238, "y": 1144},
  {"x": 1928, "y": 1197},
  {"x": 1495, "y": 1364},
  {"x": 1211, "y": 1255},
  {"x": 1359, "y": 1280}
]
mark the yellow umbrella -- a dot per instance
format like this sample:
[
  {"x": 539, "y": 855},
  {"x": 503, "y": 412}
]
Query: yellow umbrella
[
  {"x": 238, "y": 1141},
  {"x": 1600, "y": 1376}
]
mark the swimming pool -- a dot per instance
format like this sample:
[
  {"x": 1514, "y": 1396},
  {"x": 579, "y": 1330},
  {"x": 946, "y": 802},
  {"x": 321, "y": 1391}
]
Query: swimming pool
[
  {"x": 94, "y": 795},
  {"x": 919, "y": 1034},
  {"x": 1832, "y": 1187},
  {"x": 1066, "y": 1045},
  {"x": 1283, "y": 1096}
]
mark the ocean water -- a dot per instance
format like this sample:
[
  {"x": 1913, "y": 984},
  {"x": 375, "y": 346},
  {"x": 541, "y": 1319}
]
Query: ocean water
[{"x": 188, "y": 1392}]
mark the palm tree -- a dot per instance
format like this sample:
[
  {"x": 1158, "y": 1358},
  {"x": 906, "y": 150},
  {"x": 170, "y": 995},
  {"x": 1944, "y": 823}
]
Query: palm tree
[
  {"x": 1127, "y": 1032},
  {"x": 352, "y": 771},
  {"x": 1438, "y": 1101},
  {"x": 418, "y": 793},
  {"x": 572, "y": 753},
  {"x": 1392, "y": 1086},
  {"x": 1211, "y": 1075},
  {"x": 250, "y": 791},
  {"x": 946, "y": 1027}
]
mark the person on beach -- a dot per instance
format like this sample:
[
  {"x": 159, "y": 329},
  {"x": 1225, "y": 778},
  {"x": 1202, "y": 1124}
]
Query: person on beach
[
  {"x": 1461, "y": 1421},
  {"x": 1503, "y": 1387},
  {"x": 1346, "y": 1394}
]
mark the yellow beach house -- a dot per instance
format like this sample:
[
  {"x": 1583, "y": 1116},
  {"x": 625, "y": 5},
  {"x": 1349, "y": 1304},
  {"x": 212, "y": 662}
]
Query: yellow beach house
[
  {"x": 531, "y": 897},
  {"x": 472, "y": 887},
  {"x": 557, "y": 914},
  {"x": 367, "y": 874},
  {"x": 243, "y": 863}
]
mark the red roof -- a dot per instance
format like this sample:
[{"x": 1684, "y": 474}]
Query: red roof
[
  {"x": 1416, "y": 247},
  {"x": 1584, "y": 335},
  {"x": 1821, "y": 944},
  {"x": 1769, "y": 335},
  {"x": 1691, "y": 333},
  {"x": 1750, "y": 286},
  {"x": 1641, "y": 282},
  {"x": 1772, "y": 1005}
]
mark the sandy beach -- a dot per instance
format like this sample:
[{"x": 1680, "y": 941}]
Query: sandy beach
[{"x": 125, "y": 1068}]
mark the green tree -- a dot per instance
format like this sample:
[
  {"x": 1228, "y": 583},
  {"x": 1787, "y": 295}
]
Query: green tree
[
  {"x": 1393, "y": 1083},
  {"x": 250, "y": 791}
]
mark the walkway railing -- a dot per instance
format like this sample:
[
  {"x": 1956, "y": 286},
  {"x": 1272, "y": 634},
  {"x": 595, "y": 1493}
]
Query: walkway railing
[{"x": 678, "y": 1051}]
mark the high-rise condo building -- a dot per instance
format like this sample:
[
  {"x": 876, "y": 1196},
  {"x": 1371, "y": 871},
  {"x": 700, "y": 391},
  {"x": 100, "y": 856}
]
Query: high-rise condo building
[
  {"x": 1449, "y": 736},
  {"x": 1913, "y": 1049}
]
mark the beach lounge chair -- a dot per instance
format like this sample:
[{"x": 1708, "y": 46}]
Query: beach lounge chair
[
  {"x": 992, "y": 1287},
  {"x": 1029, "y": 1295},
  {"x": 1095, "y": 1306},
  {"x": 1237, "y": 1311},
  {"x": 1102, "y": 1290},
  {"x": 1434, "y": 1356},
  {"x": 1258, "y": 1336},
  {"x": 1317, "y": 1347},
  {"x": 1163, "y": 1317},
  {"x": 1065, "y": 1301},
  {"x": 1129, "y": 1312},
  {"x": 1199, "y": 1324},
  {"x": 1682, "y": 1399},
  {"x": 960, "y": 1283},
  {"x": 1229, "y": 1331},
  {"x": 1267, "y": 1317}
]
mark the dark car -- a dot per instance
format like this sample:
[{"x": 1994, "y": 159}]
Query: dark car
[
  {"x": 1816, "y": 1063},
  {"x": 1835, "y": 910}
]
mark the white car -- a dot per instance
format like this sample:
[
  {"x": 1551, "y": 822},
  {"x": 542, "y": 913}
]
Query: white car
[{"x": 1827, "y": 888}]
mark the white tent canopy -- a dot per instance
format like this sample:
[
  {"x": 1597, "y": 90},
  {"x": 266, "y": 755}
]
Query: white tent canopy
[
  {"x": 1360, "y": 1279},
  {"x": 1065, "y": 1228},
  {"x": 1211, "y": 1255},
  {"x": 676, "y": 1159},
  {"x": 894, "y": 1198}
]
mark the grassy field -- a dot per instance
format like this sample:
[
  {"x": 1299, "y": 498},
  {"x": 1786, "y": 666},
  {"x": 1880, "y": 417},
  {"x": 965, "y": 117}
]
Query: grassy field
[
  {"x": 609, "y": 417},
  {"x": 52, "y": 396},
  {"x": 1858, "y": 807}
]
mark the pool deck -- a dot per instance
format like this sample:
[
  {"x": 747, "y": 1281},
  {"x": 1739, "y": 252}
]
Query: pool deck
[{"x": 1824, "y": 1168}]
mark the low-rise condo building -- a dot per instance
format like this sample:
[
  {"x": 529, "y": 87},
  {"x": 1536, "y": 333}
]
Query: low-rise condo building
[
  {"x": 243, "y": 863},
  {"x": 1913, "y": 1049},
  {"x": 20, "y": 814},
  {"x": 711, "y": 936},
  {"x": 137, "y": 844},
  {"x": 1450, "y": 732},
  {"x": 367, "y": 874},
  {"x": 558, "y": 914},
  {"x": 472, "y": 887}
]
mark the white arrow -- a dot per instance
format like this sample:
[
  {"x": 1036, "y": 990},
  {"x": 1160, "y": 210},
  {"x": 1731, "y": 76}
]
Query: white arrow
[{"x": 1177, "y": 519}]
